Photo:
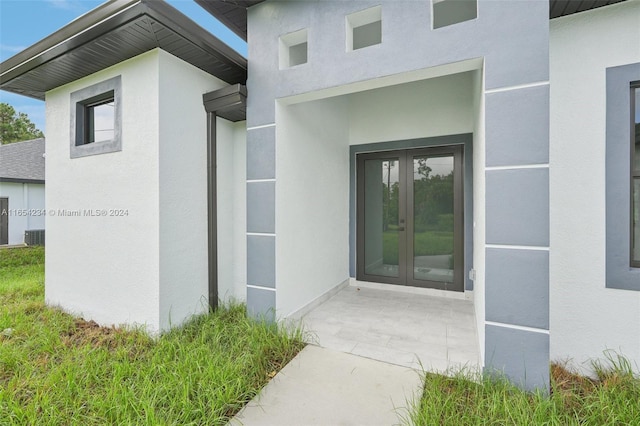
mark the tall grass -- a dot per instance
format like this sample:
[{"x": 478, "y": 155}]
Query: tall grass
[
  {"x": 56, "y": 369},
  {"x": 611, "y": 399}
]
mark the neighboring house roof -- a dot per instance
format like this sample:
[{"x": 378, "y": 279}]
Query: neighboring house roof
[
  {"x": 233, "y": 13},
  {"x": 22, "y": 162},
  {"x": 111, "y": 33}
]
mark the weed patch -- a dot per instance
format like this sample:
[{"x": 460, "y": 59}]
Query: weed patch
[
  {"x": 611, "y": 399},
  {"x": 57, "y": 369}
]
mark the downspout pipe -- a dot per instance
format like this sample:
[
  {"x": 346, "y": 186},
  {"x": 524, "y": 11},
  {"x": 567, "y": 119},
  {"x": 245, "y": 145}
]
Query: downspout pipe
[
  {"x": 212, "y": 211},
  {"x": 228, "y": 103}
]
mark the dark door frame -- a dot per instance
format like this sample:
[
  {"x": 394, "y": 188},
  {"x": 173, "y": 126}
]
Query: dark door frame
[
  {"x": 406, "y": 225},
  {"x": 4, "y": 220},
  {"x": 360, "y": 194}
]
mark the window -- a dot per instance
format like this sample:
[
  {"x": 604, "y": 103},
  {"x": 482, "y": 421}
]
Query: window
[
  {"x": 449, "y": 12},
  {"x": 293, "y": 49},
  {"x": 96, "y": 118},
  {"x": 99, "y": 119},
  {"x": 622, "y": 159},
  {"x": 635, "y": 176},
  {"x": 364, "y": 28}
]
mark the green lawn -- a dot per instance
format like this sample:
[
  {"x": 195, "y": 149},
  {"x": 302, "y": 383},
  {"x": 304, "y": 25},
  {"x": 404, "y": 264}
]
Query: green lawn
[{"x": 55, "y": 369}]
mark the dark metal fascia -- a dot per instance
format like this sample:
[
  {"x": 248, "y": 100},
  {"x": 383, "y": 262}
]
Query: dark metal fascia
[
  {"x": 239, "y": 27},
  {"x": 560, "y": 8},
  {"x": 73, "y": 35},
  {"x": 106, "y": 18},
  {"x": 234, "y": 26},
  {"x": 186, "y": 28},
  {"x": 20, "y": 180},
  {"x": 229, "y": 97}
]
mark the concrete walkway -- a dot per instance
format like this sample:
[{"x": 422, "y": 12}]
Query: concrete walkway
[
  {"x": 408, "y": 329},
  {"x": 325, "y": 387}
]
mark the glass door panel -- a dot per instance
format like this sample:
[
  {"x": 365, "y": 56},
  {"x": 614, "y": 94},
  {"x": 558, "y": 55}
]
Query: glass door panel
[
  {"x": 381, "y": 217},
  {"x": 409, "y": 217},
  {"x": 433, "y": 218}
]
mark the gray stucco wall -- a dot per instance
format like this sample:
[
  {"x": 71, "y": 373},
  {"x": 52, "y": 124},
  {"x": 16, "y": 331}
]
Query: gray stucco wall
[{"x": 512, "y": 38}]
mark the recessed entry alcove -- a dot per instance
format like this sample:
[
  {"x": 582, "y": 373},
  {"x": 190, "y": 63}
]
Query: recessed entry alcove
[
  {"x": 318, "y": 144},
  {"x": 323, "y": 132}
]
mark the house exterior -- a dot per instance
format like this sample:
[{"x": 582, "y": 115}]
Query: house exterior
[
  {"x": 474, "y": 149},
  {"x": 22, "y": 199}
]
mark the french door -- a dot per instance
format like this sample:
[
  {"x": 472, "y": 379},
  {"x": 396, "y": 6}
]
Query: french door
[{"x": 410, "y": 217}]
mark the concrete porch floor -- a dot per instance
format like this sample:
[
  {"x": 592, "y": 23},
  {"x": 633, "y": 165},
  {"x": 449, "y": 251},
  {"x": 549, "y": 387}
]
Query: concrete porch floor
[{"x": 406, "y": 329}]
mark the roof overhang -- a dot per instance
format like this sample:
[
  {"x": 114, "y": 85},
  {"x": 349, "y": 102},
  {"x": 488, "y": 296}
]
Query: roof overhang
[
  {"x": 558, "y": 8},
  {"x": 113, "y": 32},
  {"x": 233, "y": 13}
]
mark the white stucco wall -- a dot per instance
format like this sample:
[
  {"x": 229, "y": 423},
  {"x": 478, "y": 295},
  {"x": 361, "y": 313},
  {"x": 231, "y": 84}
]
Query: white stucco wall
[
  {"x": 586, "y": 318},
  {"x": 35, "y": 194},
  {"x": 312, "y": 201},
  {"x": 148, "y": 267},
  {"x": 17, "y": 224},
  {"x": 183, "y": 189},
  {"x": 232, "y": 216},
  {"x": 106, "y": 268},
  {"x": 433, "y": 107},
  {"x": 23, "y": 197}
]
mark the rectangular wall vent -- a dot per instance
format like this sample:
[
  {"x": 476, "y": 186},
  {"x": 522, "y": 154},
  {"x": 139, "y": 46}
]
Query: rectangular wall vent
[
  {"x": 449, "y": 12},
  {"x": 293, "y": 49},
  {"x": 364, "y": 28}
]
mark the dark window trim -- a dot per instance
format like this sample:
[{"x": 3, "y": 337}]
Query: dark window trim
[
  {"x": 81, "y": 102},
  {"x": 620, "y": 273},
  {"x": 84, "y": 109}
]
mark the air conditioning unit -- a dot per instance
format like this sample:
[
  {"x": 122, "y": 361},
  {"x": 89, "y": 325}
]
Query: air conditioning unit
[{"x": 34, "y": 237}]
